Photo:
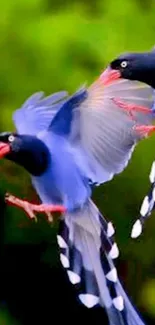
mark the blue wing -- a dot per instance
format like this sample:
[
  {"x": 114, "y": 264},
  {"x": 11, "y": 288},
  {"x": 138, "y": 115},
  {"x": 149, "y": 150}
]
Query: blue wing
[
  {"x": 37, "y": 112},
  {"x": 100, "y": 133}
]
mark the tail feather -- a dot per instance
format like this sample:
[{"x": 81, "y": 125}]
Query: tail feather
[
  {"x": 148, "y": 205},
  {"x": 85, "y": 241}
]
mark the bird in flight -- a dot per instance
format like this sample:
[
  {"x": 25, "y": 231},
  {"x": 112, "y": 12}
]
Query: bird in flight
[
  {"x": 139, "y": 66},
  {"x": 69, "y": 145}
]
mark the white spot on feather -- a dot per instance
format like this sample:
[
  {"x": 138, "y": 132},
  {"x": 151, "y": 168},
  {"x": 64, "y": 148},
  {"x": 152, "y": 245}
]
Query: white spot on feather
[
  {"x": 110, "y": 229},
  {"x": 89, "y": 300},
  {"x": 64, "y": 260},
  {"x": 114, "y": 252},
  {"x": 73, "y": 277},
  {"x": 118, "y": 303},
  {"x": 136, "y": 229},
  {"x": 145, "y": 206},
  {"x": 152, "y": 173},
  {"x": 153, "y": 195},
  {"x": 61, "y": 242},
  {"x": 112, "y": 275}
]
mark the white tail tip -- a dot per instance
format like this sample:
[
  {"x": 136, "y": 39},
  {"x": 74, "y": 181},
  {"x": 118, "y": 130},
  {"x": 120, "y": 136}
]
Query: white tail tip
[
  {"x": 114, "y": 252},
  {"x": 64, "y": 260},
  {"x": 73, "y": 277},
  {"x": 145, "y": 206},
  {"x": 110, "y": 229},
  {"x": 112, "y": 275},
  {"x": 118, "y": 303},
  {"x": 89, "y": 300},
  {"x": 152, "y": 173},
  {"x": 136, "y": 229},
  {"x": 61, "y": 242}
]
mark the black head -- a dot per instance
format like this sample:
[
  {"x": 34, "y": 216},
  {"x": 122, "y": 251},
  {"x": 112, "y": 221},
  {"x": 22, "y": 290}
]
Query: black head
[
  {"x": 136, "y": 66},
  {"x": 25, "y": 150}
]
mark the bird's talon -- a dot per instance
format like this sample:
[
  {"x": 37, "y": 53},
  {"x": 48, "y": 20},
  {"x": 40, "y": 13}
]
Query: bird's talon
[
  {"x": 131, "y": 108},
  {"x": 49, "y": 216},
  {"x": 30, "y": 208},
  {"x": 29, "y": 211},
  {"x": 6, "y": 195},
  {"x": 145, "y": 130}
]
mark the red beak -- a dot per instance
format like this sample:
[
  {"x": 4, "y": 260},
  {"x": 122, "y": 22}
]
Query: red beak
[
  {"x": 109, "y": 76},
  {"x": 4, "y": 149}
]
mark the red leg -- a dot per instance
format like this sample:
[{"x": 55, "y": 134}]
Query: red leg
[
  {"x": 144, "y": 130},
  {"x": 30, "y": 208},
  {"x": 131, "y": 108}
]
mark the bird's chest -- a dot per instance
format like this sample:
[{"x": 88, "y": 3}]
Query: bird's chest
[{"x": 62, "y": 182}]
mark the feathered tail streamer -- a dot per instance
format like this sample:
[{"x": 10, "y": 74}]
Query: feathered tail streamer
[
  {"x": 87, "y": 251},
  {"x": 148, "y": 205}
]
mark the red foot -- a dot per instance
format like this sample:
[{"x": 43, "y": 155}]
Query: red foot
[
  {"x": 131, "y": 108},
  {"x": 145, "y": 130},
  {"x": 30, "y": 208},
  {"x": 107, "y": 77}
]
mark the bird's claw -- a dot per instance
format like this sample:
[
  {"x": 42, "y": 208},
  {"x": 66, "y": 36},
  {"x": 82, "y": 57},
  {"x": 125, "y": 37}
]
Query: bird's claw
[
  {"x": 12, "y": 200},
  {"x": 131, "y": 108},
  {"x": 30, "y": 208},
  {"x": 144, "y": 130},
  {"x": 49, "y": 216}
]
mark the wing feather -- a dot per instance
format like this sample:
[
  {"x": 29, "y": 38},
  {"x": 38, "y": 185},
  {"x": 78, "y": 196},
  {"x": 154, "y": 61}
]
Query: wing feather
[
  {"x": 100, "y": 131},
  {"x": 106, "y": 131},
  {"x": 36, "y": 113}
]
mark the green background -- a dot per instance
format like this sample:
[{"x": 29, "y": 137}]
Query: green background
[{"x": 56, "y": 45}]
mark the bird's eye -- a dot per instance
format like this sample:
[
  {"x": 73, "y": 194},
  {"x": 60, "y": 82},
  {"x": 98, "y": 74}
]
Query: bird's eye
[
  {"x": 124, "y": 64},
  {"x": 11, "y": 138}
]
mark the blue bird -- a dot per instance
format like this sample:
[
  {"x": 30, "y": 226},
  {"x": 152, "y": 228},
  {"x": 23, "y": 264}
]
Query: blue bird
[
  {"x": 69, "y": 145},
  {"x": 140, "y": 66}
]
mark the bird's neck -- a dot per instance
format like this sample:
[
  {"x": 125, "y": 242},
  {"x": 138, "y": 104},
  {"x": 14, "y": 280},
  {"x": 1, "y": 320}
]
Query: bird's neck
[{"x": 33, "y": 156}]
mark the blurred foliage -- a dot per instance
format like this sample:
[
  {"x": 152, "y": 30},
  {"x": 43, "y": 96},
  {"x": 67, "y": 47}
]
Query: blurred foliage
[
  {"x": 52, "y": 45},
  {"x": 6, "y": 318}
]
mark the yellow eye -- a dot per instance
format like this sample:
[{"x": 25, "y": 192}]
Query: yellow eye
[
  {"x": 11, "y": 138},
  {"x": 124, "y": 64}
]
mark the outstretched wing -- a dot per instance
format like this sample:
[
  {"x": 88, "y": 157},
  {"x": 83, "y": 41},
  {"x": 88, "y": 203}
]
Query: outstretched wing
[
  {"x": 37, "y": 112},
  {"x": 106, "y": 131},
  {"x": 102, "y": 133}
]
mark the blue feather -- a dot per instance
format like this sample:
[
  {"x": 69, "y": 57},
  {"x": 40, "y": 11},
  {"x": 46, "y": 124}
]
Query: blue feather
[
  {"x": 36, "y": 113},
  {"x": 84, "y": 239},
  {"x": 61, "y": 123},
  {"x": 63, "y": 181},
  {"x": 84, "y": 256}
]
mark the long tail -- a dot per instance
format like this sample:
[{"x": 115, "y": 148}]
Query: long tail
[
  {"x": 87, "y": 251},
  {"x": 148, "y": 205}
]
